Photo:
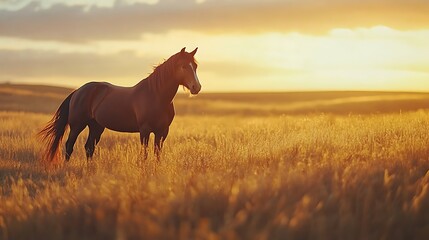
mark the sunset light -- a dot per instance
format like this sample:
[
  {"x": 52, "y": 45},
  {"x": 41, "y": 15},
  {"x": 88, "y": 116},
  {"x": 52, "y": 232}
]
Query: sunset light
[
  {"x": 214, "y": 119},
  {"x": 340, "y": 45}
]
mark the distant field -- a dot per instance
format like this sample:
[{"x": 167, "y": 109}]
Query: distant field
[
  {"x": 45, "y": 99},
  {"x": 321, "y": 165}
]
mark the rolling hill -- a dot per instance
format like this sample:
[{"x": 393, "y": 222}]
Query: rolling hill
[{"x": 46, "y": 99}]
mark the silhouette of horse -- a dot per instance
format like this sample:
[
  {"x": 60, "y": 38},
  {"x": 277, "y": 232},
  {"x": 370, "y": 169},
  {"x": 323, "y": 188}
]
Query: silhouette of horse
[{"x": 146, "y": 107}]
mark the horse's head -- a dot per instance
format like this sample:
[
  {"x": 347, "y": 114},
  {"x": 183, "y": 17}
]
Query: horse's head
[{"x": 186, "y": 71}]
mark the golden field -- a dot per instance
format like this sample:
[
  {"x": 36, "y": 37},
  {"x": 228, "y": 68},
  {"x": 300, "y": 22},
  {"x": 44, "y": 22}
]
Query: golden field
[{"x": 333, "y": 165}]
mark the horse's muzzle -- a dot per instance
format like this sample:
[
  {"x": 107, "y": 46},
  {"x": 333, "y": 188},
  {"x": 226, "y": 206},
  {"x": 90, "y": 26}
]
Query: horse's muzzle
[{"x": 195, "y": 89}]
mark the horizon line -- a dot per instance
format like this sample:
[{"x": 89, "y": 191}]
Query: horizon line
[{"x": 238, "y": 91}]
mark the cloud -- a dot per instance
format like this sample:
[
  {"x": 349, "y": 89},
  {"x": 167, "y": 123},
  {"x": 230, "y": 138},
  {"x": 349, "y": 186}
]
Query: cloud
[
  {"x": 124, "y": 66},
  {"x": 129, "y": 19},
  {"x": 44, "y": 4},
  {"x": 16, "y": 64}
]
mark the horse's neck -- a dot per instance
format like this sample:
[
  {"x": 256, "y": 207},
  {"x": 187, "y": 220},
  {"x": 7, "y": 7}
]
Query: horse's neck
[
  {"x": 166, "y": 95},
  {"x": 163, "y": 89}
]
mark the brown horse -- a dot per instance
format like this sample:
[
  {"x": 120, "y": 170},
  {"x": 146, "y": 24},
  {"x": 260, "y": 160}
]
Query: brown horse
[{"x": 145, "y": 108}]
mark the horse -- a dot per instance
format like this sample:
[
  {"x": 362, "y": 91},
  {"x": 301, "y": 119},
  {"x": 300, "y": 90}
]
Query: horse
[{"x": 145, "y": 108}]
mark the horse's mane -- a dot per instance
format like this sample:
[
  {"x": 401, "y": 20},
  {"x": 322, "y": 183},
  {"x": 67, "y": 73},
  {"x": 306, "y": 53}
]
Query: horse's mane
[{"x": 162, "y": 72}]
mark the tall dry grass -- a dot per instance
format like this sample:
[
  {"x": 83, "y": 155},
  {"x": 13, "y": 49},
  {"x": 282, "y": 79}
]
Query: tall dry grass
[{"x": 279, "y": 177}]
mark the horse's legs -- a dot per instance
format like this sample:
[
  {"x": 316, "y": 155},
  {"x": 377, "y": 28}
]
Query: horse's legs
[
  {"x": 159, "y": 141},
  {"x": 95, "y": 131},
  {"x": 75, "y": 130},
  {"x": 144, "y": 139}
]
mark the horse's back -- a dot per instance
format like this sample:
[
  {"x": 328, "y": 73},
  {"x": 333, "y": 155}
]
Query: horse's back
[
  {"x": 86, "y": 93},
  {"x": 85, "y": 99},
  {"x": 109, "y": 105}
]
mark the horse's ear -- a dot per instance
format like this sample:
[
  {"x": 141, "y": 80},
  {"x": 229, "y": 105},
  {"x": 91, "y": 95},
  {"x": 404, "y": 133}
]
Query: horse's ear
[
  {"x": 193, "y": 52},
  {"x": 183, "y": 50}
]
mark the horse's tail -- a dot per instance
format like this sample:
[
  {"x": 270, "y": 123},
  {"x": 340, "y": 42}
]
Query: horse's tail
[{"x": 52, "y": 133}]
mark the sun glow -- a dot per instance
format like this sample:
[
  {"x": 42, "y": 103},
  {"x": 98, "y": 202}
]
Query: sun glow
[
  {"x": 377, "y": 58},
  {"x": 361, "y": 59}
]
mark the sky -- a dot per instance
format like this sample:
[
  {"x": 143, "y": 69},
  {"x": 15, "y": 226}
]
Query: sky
[{"x": 243, "y": 45}]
